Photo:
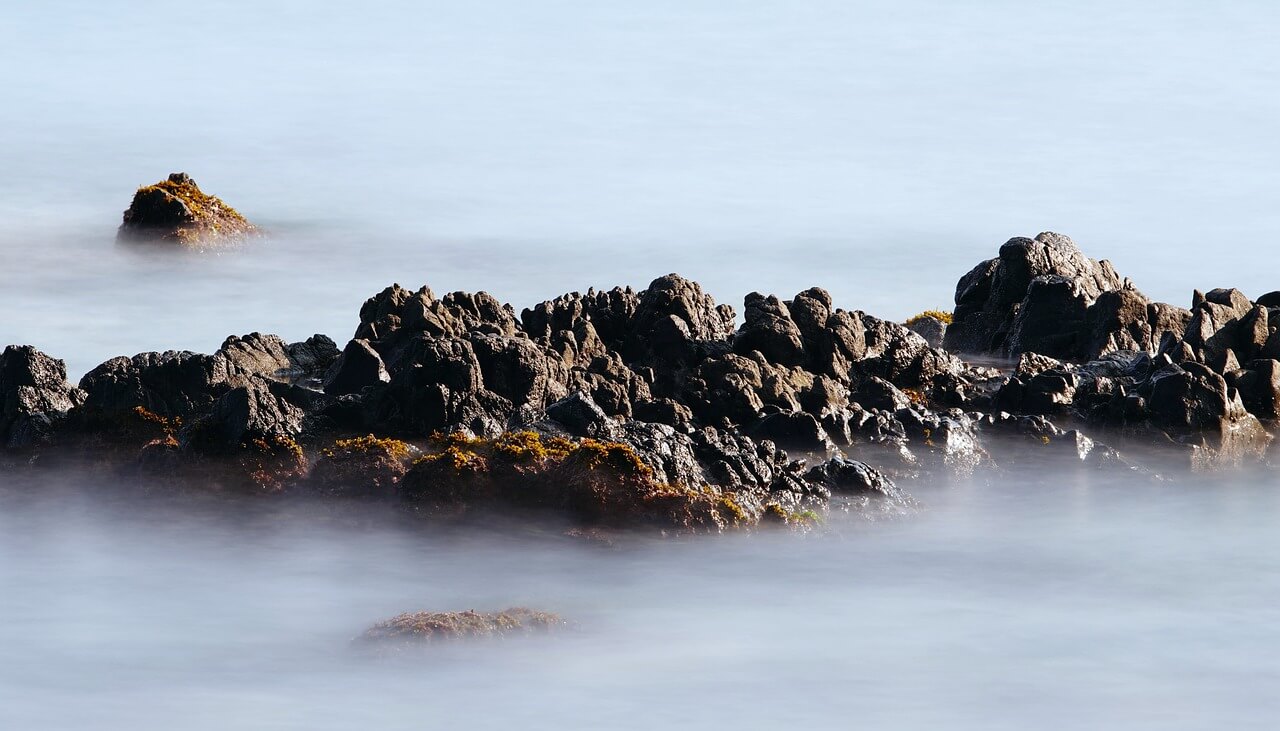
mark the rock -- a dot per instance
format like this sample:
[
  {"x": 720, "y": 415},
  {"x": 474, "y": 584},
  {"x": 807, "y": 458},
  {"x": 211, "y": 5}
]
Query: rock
[
  {"x": 580, "y": 416},
  {"x": 425, "y": 627},
  {"x": 359, "y": 367},
  {"x": 673, "y": 320},
  {"x": 254, "y": 411},
  {"x": 1259, "y": 387},
  {"x": 769, "y": 329},
  {"x": 364, "y": 467},
  {"x": 929, "y": 327},
  {"x": 663, "y": 411},
  {"x": 851, "y": 477},
  {"x": 1270, "y": 299},
  {"x": 877, "y": 393},
  {"x": 793, "y": 430},
  {"x": 991, "y": 297},
  {"x": 1192, "y": 396},
  {"x": 177, "y": 210},
  {"x": 34, "y": 396},
  {"x": 182, "y": 383}
]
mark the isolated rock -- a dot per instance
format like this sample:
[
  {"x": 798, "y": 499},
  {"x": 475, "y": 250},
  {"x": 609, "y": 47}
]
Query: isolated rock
[
  {"x": 425, "y": 627},
  {"x": 177, "y": 210}
]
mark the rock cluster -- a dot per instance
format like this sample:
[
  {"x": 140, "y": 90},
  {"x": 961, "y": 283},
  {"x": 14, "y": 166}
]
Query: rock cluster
[
  {"x": 1091, "y": 344},
  {"x": 656, "y": 407},
  {"x": 176, "y": 210}
]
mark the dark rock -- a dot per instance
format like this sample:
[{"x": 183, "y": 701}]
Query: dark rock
[
  {"x": 663, "y": 411},
  {"x": 1050, "y": 319},
  {"x": 246, "y": 413},
  {"x": 769, "y": 329},
  {"x": 177, "y": 210},
  {"x": 847, "y": 476},
  {"x": 1270, "y": 299},
  {"x": 580, "y": 416},
  {"x": 34, "y": 396},
  {"x": 990, "y": 298},
  {"x": 358, "y": 368},
  {"x": 1259, "y": 388},
  {"x": 1192, "y": 396},
  {"x": 793, "y": 430}
]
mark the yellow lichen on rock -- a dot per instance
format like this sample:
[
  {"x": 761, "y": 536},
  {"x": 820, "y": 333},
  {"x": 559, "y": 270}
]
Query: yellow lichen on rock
[{"x": 177, "y": 210}]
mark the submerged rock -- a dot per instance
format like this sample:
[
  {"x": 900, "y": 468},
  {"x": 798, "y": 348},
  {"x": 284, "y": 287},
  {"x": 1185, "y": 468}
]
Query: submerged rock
[
  {"x": 177, "y": 210},
  {"x": 422, "y": 627}
]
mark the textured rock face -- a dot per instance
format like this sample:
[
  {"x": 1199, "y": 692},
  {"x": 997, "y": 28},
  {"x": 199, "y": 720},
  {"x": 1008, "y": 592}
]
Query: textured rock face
[
  {"x": 177, "y": 210},
  {"x": 1043, "y": 276},
  {"x": 34, "y": 396},
  {"x": 182, "y": 383}
]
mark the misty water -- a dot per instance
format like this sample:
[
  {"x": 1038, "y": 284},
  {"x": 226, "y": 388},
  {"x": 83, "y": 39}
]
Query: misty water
[{"x": 878, "y": 149}]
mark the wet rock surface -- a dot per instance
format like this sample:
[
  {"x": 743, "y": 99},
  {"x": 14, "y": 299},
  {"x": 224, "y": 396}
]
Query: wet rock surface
[{"x": 657, "y": 408}]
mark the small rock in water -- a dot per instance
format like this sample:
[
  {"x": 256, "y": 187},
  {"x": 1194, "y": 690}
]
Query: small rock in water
[
  {"x": 177, "y": 210},
  {"x": 418, "y": 627}
]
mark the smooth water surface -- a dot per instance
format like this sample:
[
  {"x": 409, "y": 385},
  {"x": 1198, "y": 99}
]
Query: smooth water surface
[
  {"x": 1011, "y": 602},
  {"x": 879, "y": 149}
]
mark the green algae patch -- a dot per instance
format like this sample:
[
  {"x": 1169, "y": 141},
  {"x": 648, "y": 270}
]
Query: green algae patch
[{"x": 176, "y": 210}]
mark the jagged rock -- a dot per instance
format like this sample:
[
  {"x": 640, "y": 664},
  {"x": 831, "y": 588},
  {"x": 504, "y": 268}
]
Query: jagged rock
[
  {"x": 1192, "y": 396},
  {"x": 769, "y": 329},
  {"x": 991, "y": 297},
  {"x": 177, "y": 210},
  {"x": 182, "y": 383},
  {"x": 674, "y": 319},
  {"x": 34, "y": 396},
  {"x": 900, "y": 356},
  {"x": 254, "y": 411},
  {"x": 519, "y": 370},
  {"x": 359, "y": 367},
  {"x": 1259, "y": 387},
  {"x": 437, "y": 385}
]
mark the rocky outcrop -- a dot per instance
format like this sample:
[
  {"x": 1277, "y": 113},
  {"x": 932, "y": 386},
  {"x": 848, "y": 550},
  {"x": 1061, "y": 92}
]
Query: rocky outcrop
[
  {"x": 176, "y": 210},
  {"x": 1033, "y": 297},
  {"x": 618, "y": 408}
]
